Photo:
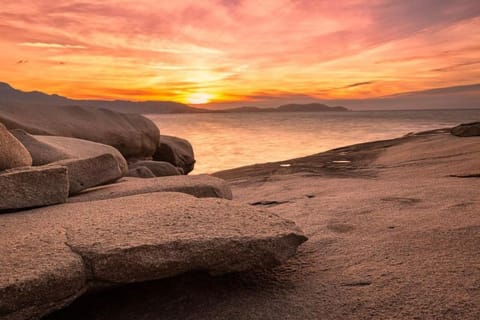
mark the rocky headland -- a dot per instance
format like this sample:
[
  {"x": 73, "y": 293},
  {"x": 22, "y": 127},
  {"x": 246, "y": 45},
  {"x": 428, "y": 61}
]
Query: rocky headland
[
  {"x": 91, "y": 199},
  {"x": 99, "y": 220}
]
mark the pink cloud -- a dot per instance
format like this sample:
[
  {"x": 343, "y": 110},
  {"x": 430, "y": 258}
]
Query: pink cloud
[{"x": 238, "y": 47}]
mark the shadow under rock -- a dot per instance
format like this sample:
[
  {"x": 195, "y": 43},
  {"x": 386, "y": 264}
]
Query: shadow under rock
[{"x": 195, "y": 295}]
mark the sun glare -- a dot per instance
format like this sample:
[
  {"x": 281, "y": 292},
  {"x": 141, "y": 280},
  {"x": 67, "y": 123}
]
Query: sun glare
[{"x": 199, "y": 98}]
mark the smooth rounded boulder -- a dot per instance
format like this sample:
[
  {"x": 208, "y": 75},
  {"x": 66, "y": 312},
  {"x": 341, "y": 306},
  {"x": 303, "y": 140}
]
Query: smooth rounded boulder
[
  {"x": 48, "y": 149},
  {"x": 132, "y": 134},
  {"x": 12, "y": 153},
  {"x": 177, "y": 151}
]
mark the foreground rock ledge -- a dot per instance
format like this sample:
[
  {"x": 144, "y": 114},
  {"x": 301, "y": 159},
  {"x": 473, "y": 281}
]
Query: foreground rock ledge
[
  {"x": 200, "y": 186},
  {"x": 50, "y": 256}
]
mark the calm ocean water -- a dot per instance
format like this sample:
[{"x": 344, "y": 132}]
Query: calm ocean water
[{"x": 225, "y": 141}]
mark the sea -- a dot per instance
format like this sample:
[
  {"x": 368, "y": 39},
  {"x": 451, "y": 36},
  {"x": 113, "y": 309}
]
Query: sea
[{"x": 228, "y": 140}]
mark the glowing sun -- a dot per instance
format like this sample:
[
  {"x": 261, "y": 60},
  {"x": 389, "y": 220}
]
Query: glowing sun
[{"x": 199, "y": 98}]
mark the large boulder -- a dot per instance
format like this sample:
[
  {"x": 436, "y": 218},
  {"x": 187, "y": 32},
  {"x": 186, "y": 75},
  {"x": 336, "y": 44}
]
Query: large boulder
[
  {"x": 133, "y": 135},
  {"x": 90, "y": 172},
  {"x": 12, "y": 153},
  {"x": 33, "y": 187},
  {"x": 201, "y": 186},
  {"x": 177, "y": 151},
  {"x": 466, "y": 130},
  {"x": 50, "y": 256},
  {"x": 158, "y": 168},
  {"x": 48, "y": 149}
]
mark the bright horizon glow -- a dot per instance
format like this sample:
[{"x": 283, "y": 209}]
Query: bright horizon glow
[
  {"x": 238, "y": 50},
  {"x": 199, "y": 98}
]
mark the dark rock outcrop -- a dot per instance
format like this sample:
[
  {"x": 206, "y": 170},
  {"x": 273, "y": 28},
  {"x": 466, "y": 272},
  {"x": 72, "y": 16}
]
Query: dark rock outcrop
[
  {"x": 133, "y": 135},
  {"x": 12, "y": 153},
  {"x": 33, "y": 187},
  {"x": 466, "y": 130},
  {"x": 140, "y": 172},
  {"x": 50, "y": 256},
  {"x": 158, "y": 168},
  {"x": 177, "y": 151}
]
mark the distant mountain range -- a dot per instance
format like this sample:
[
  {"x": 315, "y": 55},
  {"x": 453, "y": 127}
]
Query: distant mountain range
[
  {"x": 12, "y": 96},
  {"x": 466, "y": 96}
]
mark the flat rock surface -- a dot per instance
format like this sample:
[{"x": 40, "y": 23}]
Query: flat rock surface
[
  {"x": 394, "y": 233},
  {"x": 201, "y": 186},
  {"x": 51, "y": 255}
]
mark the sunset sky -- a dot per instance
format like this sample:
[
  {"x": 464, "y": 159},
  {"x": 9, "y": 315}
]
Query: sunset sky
[{"x": 229, "y": 50}]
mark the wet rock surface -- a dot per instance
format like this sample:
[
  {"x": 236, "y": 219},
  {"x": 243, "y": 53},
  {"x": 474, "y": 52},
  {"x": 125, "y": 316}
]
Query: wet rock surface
[{"x": 467, "y": 130}]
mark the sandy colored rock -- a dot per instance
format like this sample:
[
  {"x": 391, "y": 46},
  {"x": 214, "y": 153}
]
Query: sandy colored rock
[
  {"x": 51, "y": 255},
  {"x": 48, "y": 149},
  {"x": 467, "y": 130},
  {"x": 133, "y": 135},
  {"x": 90, "y": 172},
  {"x": 140, "y": 172},
  {"x": 201, "y": 186},
  {"x": 42, "y": 153},
  {"x": 32, "y": 187},
  {"x": 12, "y": 153},
  {"x": 158, "y": 168},
  {"x": 392, "y": 235},
  {"x": 177, "y": 151}
]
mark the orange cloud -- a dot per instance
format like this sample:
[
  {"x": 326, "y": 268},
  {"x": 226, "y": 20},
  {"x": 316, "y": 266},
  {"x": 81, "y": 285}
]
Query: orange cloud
[{"x": 233, "y": 50}]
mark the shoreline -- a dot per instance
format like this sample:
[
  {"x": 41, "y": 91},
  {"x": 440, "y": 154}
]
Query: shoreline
[
  {"x": 394, "y": 233},
  {"x": 358, "y": 155}
]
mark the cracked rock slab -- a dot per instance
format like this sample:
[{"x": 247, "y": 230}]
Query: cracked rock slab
[
  {"x": 52, "y": 255},
  {"x": 200, "y": 186}
]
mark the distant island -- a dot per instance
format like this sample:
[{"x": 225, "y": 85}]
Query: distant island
[
  {"x": 293, "y": 107},
  {"x": 12, "y": 96}
]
